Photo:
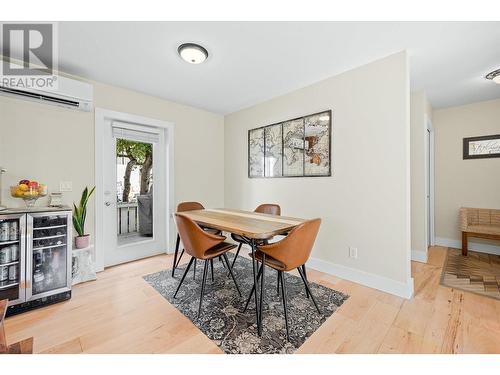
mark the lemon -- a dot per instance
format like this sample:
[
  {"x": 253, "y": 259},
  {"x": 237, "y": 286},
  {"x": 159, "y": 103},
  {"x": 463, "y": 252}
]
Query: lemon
[{"x": 23, "y": 187}]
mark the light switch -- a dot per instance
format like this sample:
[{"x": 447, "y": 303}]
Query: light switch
[{"x": 66, "y": 186}]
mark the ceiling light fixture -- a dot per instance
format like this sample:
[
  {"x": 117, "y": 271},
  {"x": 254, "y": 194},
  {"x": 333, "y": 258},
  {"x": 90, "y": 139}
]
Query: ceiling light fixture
[
  {"x": 192, "y": 53},
  {"x": 494, "y": 76}
]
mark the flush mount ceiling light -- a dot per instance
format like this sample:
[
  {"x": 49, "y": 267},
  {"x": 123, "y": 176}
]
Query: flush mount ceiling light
[
  {"x": 494, "y": 76},
  {"x": 192, "y": 53}
]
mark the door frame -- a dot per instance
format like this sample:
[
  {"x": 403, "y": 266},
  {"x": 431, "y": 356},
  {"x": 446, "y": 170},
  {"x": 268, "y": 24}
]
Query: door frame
[
  {"x": 103, "y": 118},
  {"x": 430, "y": 184}
]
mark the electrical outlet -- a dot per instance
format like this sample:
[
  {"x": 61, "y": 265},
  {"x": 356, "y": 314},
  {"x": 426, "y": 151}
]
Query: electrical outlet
[
  {"x": 353, "y": 252},
  {"x": 66, "y": 186}
]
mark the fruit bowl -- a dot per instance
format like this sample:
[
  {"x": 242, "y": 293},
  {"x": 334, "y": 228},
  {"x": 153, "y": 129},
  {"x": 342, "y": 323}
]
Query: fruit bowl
[{"x": 29, "y": 191}]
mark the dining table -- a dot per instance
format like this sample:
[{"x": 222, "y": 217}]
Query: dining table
[{"x": 255, "y": 228}]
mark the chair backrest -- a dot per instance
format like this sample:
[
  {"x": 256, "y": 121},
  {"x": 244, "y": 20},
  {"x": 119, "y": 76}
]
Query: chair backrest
[
  {"x": 196, "y": 241},
  {"x": 189, "y": 206},
  {"x": 269, "y": 208},
  {"x": 294, "y": 250}
]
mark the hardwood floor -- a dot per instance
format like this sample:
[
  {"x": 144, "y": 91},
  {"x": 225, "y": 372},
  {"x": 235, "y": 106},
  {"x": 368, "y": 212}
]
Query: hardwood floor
[{"x": 121, "y": 313}]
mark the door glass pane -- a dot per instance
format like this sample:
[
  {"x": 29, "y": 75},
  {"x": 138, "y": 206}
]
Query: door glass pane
[
  {"x": 10, "y": 256},
  {"x": 134, "y": 187},
  {"x": 49, "y": 253}
]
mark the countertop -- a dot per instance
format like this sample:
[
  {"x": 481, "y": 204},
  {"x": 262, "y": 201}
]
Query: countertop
[{"x": 24, "y": 210}]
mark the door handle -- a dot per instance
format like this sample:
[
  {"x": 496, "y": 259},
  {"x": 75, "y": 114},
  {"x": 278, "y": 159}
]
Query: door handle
[{"x": 107, "y": 204}]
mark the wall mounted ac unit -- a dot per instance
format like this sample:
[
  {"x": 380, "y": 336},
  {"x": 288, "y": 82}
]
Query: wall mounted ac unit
[{"x": 70, "y": 93}]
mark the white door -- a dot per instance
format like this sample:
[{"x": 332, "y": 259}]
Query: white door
[{"x": 134, "y": 192}]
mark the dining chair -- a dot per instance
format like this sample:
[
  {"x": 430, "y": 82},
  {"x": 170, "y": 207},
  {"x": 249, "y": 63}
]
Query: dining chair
[
  {"x": 266, "y": 208},
  {"x": 183, "y": 207},
  {"x": 290, "y": 253},
  {"x": 202, "y": 245}
]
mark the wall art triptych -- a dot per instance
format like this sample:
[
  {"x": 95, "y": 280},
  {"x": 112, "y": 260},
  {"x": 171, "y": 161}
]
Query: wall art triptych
[{"x": 295, "y": 148}]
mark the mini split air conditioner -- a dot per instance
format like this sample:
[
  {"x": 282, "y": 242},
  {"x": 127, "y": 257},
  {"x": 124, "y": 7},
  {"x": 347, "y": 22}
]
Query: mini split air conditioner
[{"x": 70, "y": 93}]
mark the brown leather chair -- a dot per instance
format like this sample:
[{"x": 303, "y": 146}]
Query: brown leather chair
[
  {"x": 266, "y": 208},
  {"x": 290, "y": 253},
  {"x": 202, "y": 245},
  {"x": 183, "y": 207}
]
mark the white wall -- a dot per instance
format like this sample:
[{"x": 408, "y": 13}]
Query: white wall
[
  {"x": 53, "y": 144},
  {"x": 470, "y": 183},
  {"x": 366, "y": 203},
  {"x": 420, "y": 113}
]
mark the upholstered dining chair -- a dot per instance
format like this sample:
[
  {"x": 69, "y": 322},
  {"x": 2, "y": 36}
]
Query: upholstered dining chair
[
  {"x": 183, "y": 207},
  {"x": 290, "y": 253},
  {"x": 202, "y": 245},
  {"x": 266, "y": 208}
]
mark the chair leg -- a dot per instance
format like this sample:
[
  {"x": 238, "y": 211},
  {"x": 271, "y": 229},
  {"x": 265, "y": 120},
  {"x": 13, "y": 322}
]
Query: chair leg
[
  {"x": 184, "y": 275},
  {"x": 212, "y": 268},
  {"x": 306, "y": 283},
  {"x": 194, "y": 269},
  {"x": 236, "y": 255},
  {"x": 259, "y": 330},
  {"x": 220, "y": 260},
  {"x": 278, "y": 283},
  {"x": 231, "y": 272},
  {"x": 180, "y": 257},
  {"x": 283, "y": 296},
  {"x": 175, "y": 254},
  {"x": 205, "y": 271},
  {"x": 464, "y": 243},
  {"x": 305, "y": 276},
  {"x": 251, "y": 292}
]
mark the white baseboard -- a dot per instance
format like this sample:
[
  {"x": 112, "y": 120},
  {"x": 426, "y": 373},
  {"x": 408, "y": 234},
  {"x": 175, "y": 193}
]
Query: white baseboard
[
  {"x": 419, "y": 256},
  {"x": 474, "y": 246},
  {"x": 361, "y": 277}
]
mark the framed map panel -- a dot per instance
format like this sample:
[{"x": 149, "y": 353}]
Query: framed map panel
[
  {"x": 273, "y": 153},
  {"x": 293, "y": 148},
  {"x": 300, "y": 147},
  {"x": 256, "y": 152},
  {"x": 317, "y": 136}
]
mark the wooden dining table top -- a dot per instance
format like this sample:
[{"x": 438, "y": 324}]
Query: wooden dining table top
[{"x": 249, "y": 224}]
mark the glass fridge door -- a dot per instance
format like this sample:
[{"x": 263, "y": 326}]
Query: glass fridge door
[
  {"x": 12, "y": 256},
  {"x": 49, "y": 254}
]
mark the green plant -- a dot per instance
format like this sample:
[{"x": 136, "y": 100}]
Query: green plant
[{"x": 80, "y": 212}]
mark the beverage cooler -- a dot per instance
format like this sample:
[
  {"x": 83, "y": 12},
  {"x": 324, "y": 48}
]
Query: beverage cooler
[{"x": 35, "y": 257}]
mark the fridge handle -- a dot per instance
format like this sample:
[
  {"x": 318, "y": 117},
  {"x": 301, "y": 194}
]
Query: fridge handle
[{"x": 29, "y": 256}]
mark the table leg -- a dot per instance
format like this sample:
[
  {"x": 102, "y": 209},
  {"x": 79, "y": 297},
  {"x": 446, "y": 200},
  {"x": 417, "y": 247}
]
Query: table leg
[{"x": 257, "y": 316}]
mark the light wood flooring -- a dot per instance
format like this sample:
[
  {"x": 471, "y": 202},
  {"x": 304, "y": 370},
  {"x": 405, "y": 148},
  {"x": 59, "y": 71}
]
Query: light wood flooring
[{"x": 121, "y": 313}]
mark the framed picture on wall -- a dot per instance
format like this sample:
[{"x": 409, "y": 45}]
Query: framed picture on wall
[
  {"x": 273, "y": 151},
  {"x": 482, "y": 147},
  {"x": 300, "y": 147},
  {"x": 256, "y": 152},
  {"x": 293, "y": 148},
  {"x": 317, "y": 138}
]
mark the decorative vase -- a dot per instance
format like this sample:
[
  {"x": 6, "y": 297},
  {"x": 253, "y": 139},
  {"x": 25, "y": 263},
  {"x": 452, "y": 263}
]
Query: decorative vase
[{"x": 82, "y": 242}]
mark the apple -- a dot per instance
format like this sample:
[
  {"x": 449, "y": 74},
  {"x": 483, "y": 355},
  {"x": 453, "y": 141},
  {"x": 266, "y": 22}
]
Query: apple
[
  {"x": 33, "y": 184},
  {"x": 24, "y": 182}
]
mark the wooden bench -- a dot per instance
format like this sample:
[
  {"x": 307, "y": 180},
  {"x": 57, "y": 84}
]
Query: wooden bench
[
  {"x": 480, "y": 223},
  {"x": 21, "y": 347}
]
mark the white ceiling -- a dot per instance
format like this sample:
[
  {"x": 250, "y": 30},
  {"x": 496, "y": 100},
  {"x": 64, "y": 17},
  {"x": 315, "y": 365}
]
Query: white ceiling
[{"x": 251, "y": 62}]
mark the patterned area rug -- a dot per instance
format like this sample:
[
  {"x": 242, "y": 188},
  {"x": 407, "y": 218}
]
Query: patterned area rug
[
  {"x": 236, "y": 332},
  {"x": 477, "y": 272}
]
